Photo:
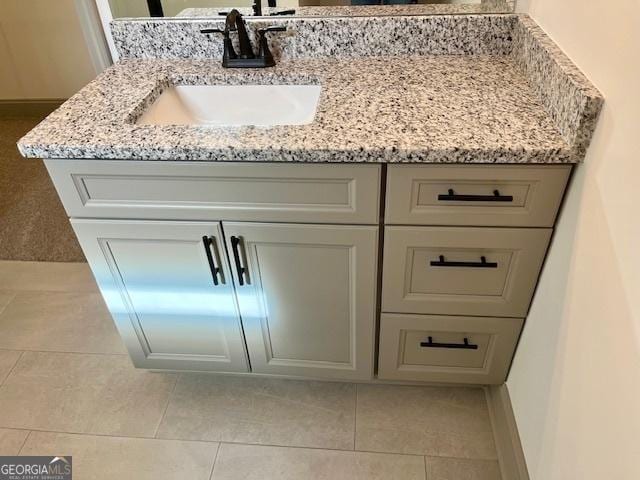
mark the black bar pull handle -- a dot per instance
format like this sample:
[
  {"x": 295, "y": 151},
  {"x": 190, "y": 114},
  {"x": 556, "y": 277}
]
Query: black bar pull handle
[
  {"x": 452, "y": 196},
  {"x": 441, "y": 262},
  {"x": 211, "y": 250},
  {"x": 243, "y": 276},
  {"x": 461, "y": 346}
]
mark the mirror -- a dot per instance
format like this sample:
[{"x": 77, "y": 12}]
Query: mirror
[{"x": 303, "y": 8}]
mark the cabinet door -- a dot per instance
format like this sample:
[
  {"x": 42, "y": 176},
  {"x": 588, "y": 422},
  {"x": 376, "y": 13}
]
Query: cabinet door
[
  {"x": 159, "y": 280},
  {"x": 307, "y": 296}
]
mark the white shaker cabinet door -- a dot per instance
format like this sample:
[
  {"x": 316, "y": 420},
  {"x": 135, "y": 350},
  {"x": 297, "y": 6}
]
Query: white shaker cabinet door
[
  {"x": 307, "y": 296},
  {"x": 170, "y": 291}
]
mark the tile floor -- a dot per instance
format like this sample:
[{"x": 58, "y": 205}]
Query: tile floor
[{"x": 67, "y": 388}]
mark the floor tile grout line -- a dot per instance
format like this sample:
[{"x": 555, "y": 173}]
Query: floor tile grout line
[
  {"x": 70, "y": 291},
  {"x": 3, "y": 380},
  {"x": 221, "y": 442},
  {"x": 355, "y": 420},
  {"x": 215, "y": 459},
  {"x": 25, "y": 442},
  {"x": 12, "y": 296},
  {"x": 166, "y": 407},
  {"x": 105, "y": 435},
  {"x": 226, "y": 442},
  {"x": 25, "y": 350}
]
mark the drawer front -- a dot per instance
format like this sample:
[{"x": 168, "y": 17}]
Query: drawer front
[
  {"x": 461, "y": 271},
  {"x": 446, "y": 348},
  {"x": 218, "y": 191},
  {"x": 482, "y": 195}
]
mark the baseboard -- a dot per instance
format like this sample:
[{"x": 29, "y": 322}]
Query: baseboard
[
  {"x": 505, "y": 431},
  {"x": 29, "y": 108}
]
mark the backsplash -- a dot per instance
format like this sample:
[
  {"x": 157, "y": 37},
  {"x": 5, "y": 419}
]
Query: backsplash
[
  {"x": 484, "y": 7},
  {"x": 339, "y": 37},
  {"x": 568, "y": 96}
]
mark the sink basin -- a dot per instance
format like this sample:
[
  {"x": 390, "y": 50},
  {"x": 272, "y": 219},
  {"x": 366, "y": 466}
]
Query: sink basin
[{"x": 233, "y": 105}]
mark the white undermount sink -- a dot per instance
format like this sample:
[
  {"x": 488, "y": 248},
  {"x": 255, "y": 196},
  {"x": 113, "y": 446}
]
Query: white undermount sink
[{"x": 233, "y": 105}]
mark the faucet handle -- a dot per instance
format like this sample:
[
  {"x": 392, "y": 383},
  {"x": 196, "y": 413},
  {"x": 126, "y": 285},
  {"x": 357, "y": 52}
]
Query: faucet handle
[
  {"x": 262, "y": 31},
  {"x": 212, "y": 30},
  {"x": 229, "y": 52},
  {"x": 263, "y": 47},
  {"x": 283, "y": 12}
]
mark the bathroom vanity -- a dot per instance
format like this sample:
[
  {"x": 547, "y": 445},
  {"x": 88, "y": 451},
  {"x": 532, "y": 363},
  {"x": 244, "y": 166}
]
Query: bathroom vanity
[{"x": 397, "y": 235}]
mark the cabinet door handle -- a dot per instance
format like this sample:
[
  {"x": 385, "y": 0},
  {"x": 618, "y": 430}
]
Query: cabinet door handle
[
  {"x": 243, "y": 276},
  {"x": 451, "y": 196},
  {"x": 481, "y": 264},
  {"x": 461, "y": 346},
  {"x": 212, "y": 257}
]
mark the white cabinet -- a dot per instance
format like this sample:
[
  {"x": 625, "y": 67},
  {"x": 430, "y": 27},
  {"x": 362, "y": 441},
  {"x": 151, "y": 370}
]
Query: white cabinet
[
  {"x": 462, "y": 270},
  {"x": 306, "y": 304},
  {"x": 213, "y": 191},
  {"x": 159, "y": 286},
  {"x": 273, "y": 268},
  {"x": 307, "y": 296},
  {"x": 446, "y": 348}
]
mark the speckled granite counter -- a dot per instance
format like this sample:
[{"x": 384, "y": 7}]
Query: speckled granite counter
[{"x": 472, "y": 108}]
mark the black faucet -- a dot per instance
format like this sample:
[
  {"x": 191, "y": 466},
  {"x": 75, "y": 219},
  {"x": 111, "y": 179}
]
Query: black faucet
[{"x": 247, "y": 58}]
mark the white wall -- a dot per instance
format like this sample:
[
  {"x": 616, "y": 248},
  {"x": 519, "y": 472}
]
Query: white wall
[
  {"x": 43, "y": 50},
  {"x": 575, "y": 381}
]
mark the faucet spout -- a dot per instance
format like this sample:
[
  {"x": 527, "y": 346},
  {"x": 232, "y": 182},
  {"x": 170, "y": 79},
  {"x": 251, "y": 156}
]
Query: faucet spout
[{"x": 235, "y": 22}]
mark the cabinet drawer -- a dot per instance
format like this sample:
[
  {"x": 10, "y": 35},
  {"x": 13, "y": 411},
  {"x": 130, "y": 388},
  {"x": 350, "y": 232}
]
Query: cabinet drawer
[
  {"x": 218, "y": 191},
  {"x": 461, "y": 271},
  {"x": 518, "y": 196},
  {"x": 446, "y": 348}
]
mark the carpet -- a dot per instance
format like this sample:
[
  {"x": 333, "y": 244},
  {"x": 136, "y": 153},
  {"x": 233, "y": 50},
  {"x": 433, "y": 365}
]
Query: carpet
[{"x": 33, "y": 223}]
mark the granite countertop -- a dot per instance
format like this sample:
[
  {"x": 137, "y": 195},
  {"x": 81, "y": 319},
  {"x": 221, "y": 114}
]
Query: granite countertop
[{"x": 440, "y": 108}]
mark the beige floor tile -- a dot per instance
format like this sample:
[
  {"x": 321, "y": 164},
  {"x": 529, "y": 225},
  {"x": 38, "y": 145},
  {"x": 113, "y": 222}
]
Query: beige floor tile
[
  {"x": 263, "y": 411},
  {"x": 82, "y": 393},
  {"x": 109, "y": 458},
  {"x": 440, "y": 468},
  {"x": 59, "y": 321},
  {"x": 11, "y": 441},
  {"x": 50, "y": 276},
  {"x": 8, "y": 359},
  {"x": 439, "y": 421},
  {"x": 252, "y": 462}
]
